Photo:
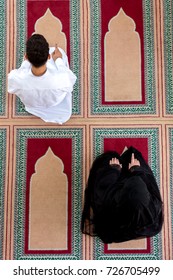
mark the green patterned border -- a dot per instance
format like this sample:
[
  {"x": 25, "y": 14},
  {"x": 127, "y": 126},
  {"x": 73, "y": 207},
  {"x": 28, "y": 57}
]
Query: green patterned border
[
  {"x": 77, "y": 163},
  {"x": 171, "y": 174},
  {"x": 2, "y": 185},
  {"x": 3, "y": 39},
  {"x": 168, "y": 53},
  {"x": 152, "y": 134},
  {"x": 96, "y": 107},
  {"x": 75, "y": 48}
]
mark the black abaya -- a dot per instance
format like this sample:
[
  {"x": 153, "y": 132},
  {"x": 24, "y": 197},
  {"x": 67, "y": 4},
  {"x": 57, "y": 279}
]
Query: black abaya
[{"x": 121, "y": 204}]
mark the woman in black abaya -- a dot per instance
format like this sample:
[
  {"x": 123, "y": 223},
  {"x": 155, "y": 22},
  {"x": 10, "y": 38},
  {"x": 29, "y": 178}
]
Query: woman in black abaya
[{"x": 122, "y": 199}]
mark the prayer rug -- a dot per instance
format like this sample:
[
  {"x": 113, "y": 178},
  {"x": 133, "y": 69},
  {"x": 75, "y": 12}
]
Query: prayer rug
[
  {"x": 146, "y": 140},
  {"x": 48, "y": 193},
  {"x": 59, "y": 22},
  {"x": 122, "y": 74}
]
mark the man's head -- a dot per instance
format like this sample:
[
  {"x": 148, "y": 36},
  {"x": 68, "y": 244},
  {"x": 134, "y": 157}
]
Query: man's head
[{"x": 37, "y": 50}]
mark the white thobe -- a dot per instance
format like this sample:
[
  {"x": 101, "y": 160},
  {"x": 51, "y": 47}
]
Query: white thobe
[{"x": 48, "y": 96}]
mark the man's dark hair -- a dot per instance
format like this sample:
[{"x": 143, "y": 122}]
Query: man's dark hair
[{"x": 37, "y": 50}]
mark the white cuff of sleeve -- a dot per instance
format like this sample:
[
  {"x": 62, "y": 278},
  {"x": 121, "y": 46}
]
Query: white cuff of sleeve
[{"x": 59, "y": 62}]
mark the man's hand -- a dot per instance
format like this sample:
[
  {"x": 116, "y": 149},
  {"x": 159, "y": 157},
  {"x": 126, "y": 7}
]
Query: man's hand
[
  {"x": 56, "y": 54},
  {"x": 134, "y": 161},
  {"x": 25, "y": 57}
]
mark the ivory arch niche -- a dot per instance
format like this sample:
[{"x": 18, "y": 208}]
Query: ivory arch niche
[
  {"x": 48, "y": 211},
  {"x": 122, "y": 50},
  {"x": 51, "y": 28}
]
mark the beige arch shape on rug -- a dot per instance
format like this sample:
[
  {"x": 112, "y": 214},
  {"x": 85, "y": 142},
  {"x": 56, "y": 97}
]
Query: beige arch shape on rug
[
  {"x": 51, "y": 28},
  {"x": 48, "y": 209},
  {"x": 122, "y": 60}
]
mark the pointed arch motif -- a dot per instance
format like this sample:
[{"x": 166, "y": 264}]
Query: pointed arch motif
[
  {"x": 122, "y": 60},
  {"x": 48, "y": 198},
  {"x": 51, "y": 28}
]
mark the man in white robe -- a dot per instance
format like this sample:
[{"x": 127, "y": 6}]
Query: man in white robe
[{"x": 44, "y": 82}]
